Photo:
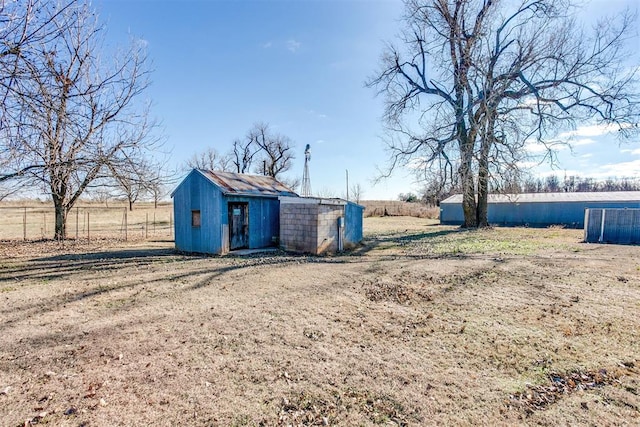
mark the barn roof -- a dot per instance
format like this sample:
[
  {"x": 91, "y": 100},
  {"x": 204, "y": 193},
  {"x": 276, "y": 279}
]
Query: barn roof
[
  {"x": 604, "y": 196},
  {"x": 247, "y": 185}
]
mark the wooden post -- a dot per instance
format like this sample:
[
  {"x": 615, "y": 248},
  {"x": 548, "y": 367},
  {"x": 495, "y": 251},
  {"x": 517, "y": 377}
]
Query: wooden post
[
  {"x": 146, "y": 227},
  {"x": 88, "y": 227},
  {"x": 44, "y": 222},
  {"x": 77, "y": 221},
  {"x": 170, "y": 224},
  {"x": 154, "y": 222},
  {"x": 24, "y": 224},
  {"x": 126, "y": 231}
]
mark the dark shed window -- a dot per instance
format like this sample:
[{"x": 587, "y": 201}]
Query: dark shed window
[{"x": 195, "y": 218}]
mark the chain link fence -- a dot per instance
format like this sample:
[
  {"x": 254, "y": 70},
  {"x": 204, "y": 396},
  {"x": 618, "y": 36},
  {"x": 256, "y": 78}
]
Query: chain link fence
[{"x": 88, "y": 223}]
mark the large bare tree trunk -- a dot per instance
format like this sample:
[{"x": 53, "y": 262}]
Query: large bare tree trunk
[
  {"x": 61, "y": 211},
  {"x": 468, "y": 191},
  {"x": 482, "y": 211}
]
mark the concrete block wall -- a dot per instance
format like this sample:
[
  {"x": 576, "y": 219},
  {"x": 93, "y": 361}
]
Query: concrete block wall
[
  {"x": 328, "y": 228},
  {"x": 309, "y": 227},
  {"x": 299, "y": 227}
]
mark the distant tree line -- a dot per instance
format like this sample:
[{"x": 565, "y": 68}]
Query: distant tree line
[
  {"x": 432, "y": 194},
  {"x": 575, "y": 184}
]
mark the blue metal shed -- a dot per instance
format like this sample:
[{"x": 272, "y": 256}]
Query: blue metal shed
[
  {"x": 216, "y": 212},
  {"x": 540, "y": 209}
]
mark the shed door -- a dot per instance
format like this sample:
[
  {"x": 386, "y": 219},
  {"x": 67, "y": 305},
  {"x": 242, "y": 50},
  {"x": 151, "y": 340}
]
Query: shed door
[{"x": 238, "y": 226}]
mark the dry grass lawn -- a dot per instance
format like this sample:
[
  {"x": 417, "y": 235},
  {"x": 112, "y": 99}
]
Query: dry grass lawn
[{"x": 422, "y": 325}]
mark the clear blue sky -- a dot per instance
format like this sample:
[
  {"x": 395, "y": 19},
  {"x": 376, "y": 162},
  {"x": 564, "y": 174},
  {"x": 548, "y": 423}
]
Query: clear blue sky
[{"x": 220, "y": 66}]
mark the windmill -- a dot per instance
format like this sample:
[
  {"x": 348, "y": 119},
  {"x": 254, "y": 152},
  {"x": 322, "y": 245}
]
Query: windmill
[{"x": 306, "y": 182}]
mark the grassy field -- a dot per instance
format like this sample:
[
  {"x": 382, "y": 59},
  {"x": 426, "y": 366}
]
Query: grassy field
[
  {"x": 35, "y": 221},
  {"x": 421, "y": 325}
]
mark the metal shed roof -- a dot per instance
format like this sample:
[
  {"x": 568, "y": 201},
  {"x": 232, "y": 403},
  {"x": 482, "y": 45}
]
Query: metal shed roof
[
  {"x": 247, "y": 185},
  {"x": 605, "y": 196}
]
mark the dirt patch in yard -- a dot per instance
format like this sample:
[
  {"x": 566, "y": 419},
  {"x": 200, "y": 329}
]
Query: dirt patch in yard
[{"x": 421, "y": 325}]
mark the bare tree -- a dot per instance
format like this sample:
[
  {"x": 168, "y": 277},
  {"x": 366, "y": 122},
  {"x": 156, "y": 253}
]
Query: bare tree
[
  {"x": 211, "y": 159},
  {"x": 275, "y": 150},
  {"x": 157, "y": 190},
  {"x": 76, "y": 112},
  {"x": 140, "y": 178},
  {"x": 243, "y": 153},
  {"x": 356, "y": 192},
  {"x": 326, "y": 193},
  {"x": 477, "y": 79},
  {"x": 24, "y": 25},
  {"x": 260, "y": 151},
  {"x": 102, "y": 194},
  {"x": 292, "y": 183},
  {"x": 272, "y": 152},
  {"x": 158, "y": 181},
  {"x": 131, "y": 180}
]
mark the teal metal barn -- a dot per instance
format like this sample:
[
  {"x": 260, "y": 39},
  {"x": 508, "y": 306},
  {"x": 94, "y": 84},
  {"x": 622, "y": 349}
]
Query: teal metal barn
[{"x": 540, "y": 209}]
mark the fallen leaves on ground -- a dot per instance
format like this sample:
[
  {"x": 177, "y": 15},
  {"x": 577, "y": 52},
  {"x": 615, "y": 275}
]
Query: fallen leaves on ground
[{"x": 537, "y": 397}]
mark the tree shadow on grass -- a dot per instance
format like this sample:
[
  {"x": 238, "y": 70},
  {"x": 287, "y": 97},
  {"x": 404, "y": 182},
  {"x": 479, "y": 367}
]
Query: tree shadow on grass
[
  {"x": 380, "y": 242},
  {"x": 118, "y": 270},
  {"x": 119, "y": 254},
  {"x": 64, "y": 265}
]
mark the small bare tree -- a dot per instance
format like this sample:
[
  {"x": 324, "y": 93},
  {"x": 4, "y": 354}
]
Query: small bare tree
[
  {"x": 356, "y": 192},
  {"x": 131, "y": 180},
  {"x": 275, "y": 150},
  {"x": 243, "y": 152},
  {"x": 211, "y": 159},
  {"x": 260, "y": 151}
]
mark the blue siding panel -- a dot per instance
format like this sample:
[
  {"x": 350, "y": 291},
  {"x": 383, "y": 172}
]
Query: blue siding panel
[
  {"x": 620, "y": 226},
  {"x": 182, "y": 199},
  {"x": 451, "y": 214},
  {"x": 264, "y": 219},
  {"x": 197, "y": 193},
  {"x": 353, "y": 214}
]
